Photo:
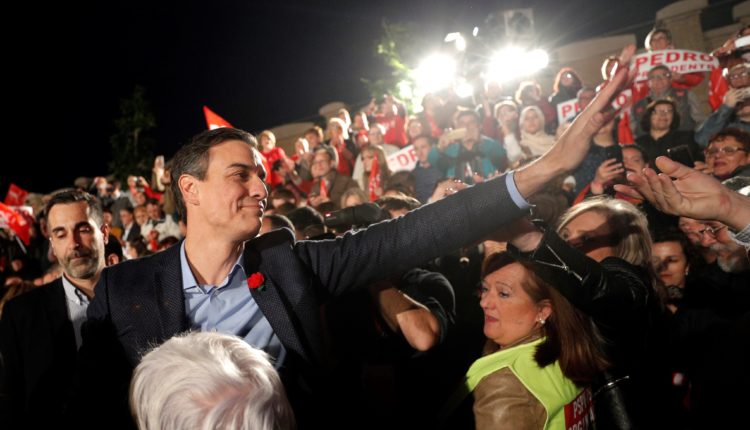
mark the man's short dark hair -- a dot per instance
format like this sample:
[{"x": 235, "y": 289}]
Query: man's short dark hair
[
  {"x": 316, "y": 131},
  {"x": 646, "y": 118},
  {"x": 75, "y": 196},
  {"x": 654, "y": 32},
  {"x": 305, "y": 217},
  {"x": 638, "y": 148},
  {"x": 398, "y": 203},
  {"x": 660, "y": 67},
  {"x": 192, "y": 159},
  {"x": 429, "y": 139},
  {"x": 468, "y": 112},
  {"x": 740, "y": 136},
  {"x": 331, "y": 151},
  {"x": 279, "y": 221}
]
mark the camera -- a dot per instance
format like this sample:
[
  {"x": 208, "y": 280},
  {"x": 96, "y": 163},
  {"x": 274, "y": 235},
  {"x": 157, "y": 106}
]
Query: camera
[{"x": 276, "y": 165}]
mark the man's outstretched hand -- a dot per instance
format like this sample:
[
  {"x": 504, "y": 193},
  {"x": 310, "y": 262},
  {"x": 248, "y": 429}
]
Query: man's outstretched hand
[
  {"x": 572, "y": 147},
  {"x": 691, "y": 194}
]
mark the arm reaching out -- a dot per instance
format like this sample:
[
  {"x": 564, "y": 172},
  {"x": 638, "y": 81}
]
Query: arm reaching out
[{"x": 691, "y": 194}]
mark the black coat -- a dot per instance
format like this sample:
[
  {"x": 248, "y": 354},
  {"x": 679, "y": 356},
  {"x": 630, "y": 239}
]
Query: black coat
[
  {"x": 140, "y": 303},
  {"x": 39, "y": 354}
]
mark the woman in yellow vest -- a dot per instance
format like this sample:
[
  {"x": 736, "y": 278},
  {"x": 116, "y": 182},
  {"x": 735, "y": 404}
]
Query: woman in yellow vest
[{"x": 542, "y": 354}]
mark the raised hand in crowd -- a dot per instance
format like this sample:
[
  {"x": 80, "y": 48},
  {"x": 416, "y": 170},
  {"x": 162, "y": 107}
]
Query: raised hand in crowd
[
  {"x": 573, "y": 145},
  {"x": 607, "y": 172},
  {"x": 447, "y": 187},
  {"x": 691, "y": 194}
]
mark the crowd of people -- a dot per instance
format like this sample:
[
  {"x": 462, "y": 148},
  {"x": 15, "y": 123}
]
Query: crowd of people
[{"x": 528, "y": 272}]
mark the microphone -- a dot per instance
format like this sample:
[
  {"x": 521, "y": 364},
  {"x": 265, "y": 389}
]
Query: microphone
[{"x": 360, "y": 215}]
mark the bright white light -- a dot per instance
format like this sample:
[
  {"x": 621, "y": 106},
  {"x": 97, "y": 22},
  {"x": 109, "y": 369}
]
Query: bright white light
[
  {"x": 460, "y": 43},
  {"x": 538, "y": 59},
  {"x": 514, "y": 62},
  {"x": 475, "y": 31},
  {"x": 464, "y": 89},
  {"x": 404, "y": 90},
  {"x": 458, "y": 39},
  {"x": 435, "y": 73}
]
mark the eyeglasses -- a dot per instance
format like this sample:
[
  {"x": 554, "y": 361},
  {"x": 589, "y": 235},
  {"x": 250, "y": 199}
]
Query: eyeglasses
[
  {"x": 661, "y": 76},
  {"x": 663, "y": 111},
  {"x": 698, "y": 234},
  {"x": 727, "y": 150},
  {"x": 738, "y": 75}
]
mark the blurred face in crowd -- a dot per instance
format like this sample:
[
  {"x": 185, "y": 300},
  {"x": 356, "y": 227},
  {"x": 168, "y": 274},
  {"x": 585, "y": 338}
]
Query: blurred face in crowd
[
  {"x": 414, "y": 129},
  {"x": 266, "y": 143},
  {"x": 422, "y": 149},
  {"x": 470, "y": 123},
  {"x": 231, "y": 198},
  {"x": 662, "y": 117},
  {"x": 507, "y": 115},
  {"x": 153, "y": 211},
  {"x": 659, "y": 41},
  {"x": 361, "y": 140},
  {"x": 430, "y": 102},
  {"x": 77, "y": 240},
  {"x": 368, "y": 155},
  {"x": 725, "y": 156},
  {"x": 375, "y": 136},
  {"x": 532, "y": 123},
  {"x": 591, "y": 233},
  {"x": 141, "y": 216},
  {"x": 530, "y": 94},
  {"x": 352, "y": 200},
  {"x": 312, "y": 140},
  {"x": 334, "y": 129},
  {"x": 126, "y": 217},
  {"x": 509, "y": 312},
  {"x": 107, "y": 218},
  {"x": 585, "y": 97},
  {"x": 659, "y": 81},
  {"x": 730, "y": 256},
  {"x": 301, "y": 146},
  {"x": 632, "y": 159},
  {"x": 140, "y": 198},
  {"x": 738, "y": 77},
  {"x": 699, "y": 233},
  {"x": 322, "y": 164},
  {"x": 359, "y": 123},
  {"x": 567, "y": 79},
  {"x": 493, "y": 90},
  {"x": 670, "y": 263}
]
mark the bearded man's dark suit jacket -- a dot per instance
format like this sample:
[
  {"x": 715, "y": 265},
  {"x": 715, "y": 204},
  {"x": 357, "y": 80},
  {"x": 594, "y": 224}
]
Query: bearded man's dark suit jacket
[
  {"x": 38, "y": 348},
  {"x": 140, "y": 303}
]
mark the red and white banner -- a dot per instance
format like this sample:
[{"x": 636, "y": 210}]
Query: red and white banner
[
  {"x": 403, "y": 160},
  {"x": 566, "y": 110},
  {"x": 214, "y": 121},
  {"x": 16, "y": 195},
  {"x": 13, "y": 220},
  {"x": 569, "y": 109},
  {"x": 678, "y": 60}
]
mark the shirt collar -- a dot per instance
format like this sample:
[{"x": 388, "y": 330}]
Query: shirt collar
[
  {"x": 72, "y": 293},
  {"x": 188, "y": 278}
]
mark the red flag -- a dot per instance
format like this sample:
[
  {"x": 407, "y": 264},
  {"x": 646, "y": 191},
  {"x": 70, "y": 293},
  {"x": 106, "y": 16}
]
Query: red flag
[
  {"x": 214, "y": 121},
  {"x": 374, "y": 182},
  {"x": 16, "y": 195},
  {"x": 16, "y": 222}
]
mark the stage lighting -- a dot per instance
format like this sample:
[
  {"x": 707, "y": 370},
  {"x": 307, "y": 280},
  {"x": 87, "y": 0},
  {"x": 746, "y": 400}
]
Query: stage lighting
[{"x": 435, "y": 73}]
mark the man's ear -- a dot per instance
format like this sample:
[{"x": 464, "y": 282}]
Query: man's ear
[
  {"x": 189, "y": 189},
  {"x": 105, "y": 233}
]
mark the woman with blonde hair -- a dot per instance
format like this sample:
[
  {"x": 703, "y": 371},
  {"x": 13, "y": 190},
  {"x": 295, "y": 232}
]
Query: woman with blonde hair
[
  {"x": 376, "y": 172},
  {"x": 599, "y": 258},
  {"x": 338, "y": 138}
]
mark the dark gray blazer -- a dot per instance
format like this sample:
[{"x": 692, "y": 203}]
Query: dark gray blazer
[{"x": 140, "y": 303}]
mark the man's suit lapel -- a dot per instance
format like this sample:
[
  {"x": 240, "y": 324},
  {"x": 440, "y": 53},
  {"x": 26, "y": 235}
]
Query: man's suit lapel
[
  {"x": 169, "y": 295},
  {"x": 272, "y": 299}
]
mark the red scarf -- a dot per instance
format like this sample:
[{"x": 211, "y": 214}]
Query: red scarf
[{"x": 374, "y": 182}]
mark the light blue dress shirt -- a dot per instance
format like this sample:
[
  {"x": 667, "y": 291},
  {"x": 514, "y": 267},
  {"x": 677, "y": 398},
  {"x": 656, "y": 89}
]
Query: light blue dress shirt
[{"x": 229, "y": 308}]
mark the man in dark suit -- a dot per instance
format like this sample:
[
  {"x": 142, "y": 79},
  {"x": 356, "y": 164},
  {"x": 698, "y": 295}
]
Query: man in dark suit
[
  {"x": 40, "y": 330},
  {"x": 130, "y": 228},
  {"x": 268, "y": 289}
]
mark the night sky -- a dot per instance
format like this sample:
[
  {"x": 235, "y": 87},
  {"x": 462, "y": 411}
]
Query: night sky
[{"x": 257, "y": 63}]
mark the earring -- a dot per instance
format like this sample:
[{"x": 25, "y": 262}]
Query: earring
[{"x": 541, "y": 321}]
